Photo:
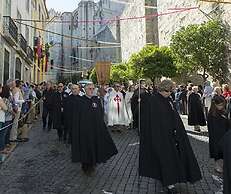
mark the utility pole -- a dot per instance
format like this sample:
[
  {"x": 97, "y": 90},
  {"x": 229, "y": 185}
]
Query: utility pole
[{"x": 72, "y": 25}]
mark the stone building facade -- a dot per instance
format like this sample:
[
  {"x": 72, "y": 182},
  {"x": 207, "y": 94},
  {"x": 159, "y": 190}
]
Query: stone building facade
[
  {"x": 136, "y": 33},
  {"x": 16, "y": 39},
  {"x": 89, "y": 30}
]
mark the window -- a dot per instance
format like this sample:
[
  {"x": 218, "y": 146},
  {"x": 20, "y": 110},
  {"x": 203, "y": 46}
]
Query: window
[
  {"x": 19, "y": 16},
  {"x": 7, "y": 9},
  {"x": 6, "y": 66},
  {"x": 27, "y": 34},
  {"x": 28, "y": 5},
  {"x": 18, "y": 66},
  {"x": 39, "y": 12}
]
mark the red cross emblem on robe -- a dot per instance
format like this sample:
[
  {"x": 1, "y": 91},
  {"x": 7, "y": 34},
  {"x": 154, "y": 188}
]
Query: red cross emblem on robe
[{"x": 117, "y": 99}]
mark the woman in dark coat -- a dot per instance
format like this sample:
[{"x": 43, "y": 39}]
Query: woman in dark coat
[
  {"x": 218, "y": 125},
  {"x": 165, "y": 151},
  {"x": 196, "y": 115}
]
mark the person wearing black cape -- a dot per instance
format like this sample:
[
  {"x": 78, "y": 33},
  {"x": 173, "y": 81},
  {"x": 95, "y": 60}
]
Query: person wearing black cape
[
  {"x": 227, "y": 163},
  {"x": 218, "y": 125},
  {"x": 196, "y": 116},
  {"x": 69, "y": 103},
  {"x": 165, "y": 152},
  {"x": 47, "y": 97},
  {"x": 58, "y": 108},
  {"x": 91, "y": 141},
  {"x": 139, "y": 96}
]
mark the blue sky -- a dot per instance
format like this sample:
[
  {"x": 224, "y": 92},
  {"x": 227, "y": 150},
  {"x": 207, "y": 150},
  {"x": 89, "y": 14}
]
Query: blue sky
[{"x": 62, "y": 5}]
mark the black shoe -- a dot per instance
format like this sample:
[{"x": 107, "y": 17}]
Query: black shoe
[
  {"x": 172, "y": 190},
  {"x": 22, "y": 139},
  {"x": 84, "y": 168}
]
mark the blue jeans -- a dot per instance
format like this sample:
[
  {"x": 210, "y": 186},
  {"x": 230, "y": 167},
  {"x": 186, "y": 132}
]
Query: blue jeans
[
  {"x": 8, "y": 129},
  {"x": 2, "y": 137}
]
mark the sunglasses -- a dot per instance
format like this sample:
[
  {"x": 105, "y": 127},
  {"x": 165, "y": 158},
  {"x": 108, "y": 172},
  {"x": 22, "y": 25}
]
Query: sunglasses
[{"x": 168, "y": 91}]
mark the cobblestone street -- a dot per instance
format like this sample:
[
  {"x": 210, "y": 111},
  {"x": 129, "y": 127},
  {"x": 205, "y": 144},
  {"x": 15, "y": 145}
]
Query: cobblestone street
[{"x": 43, "y": 165}]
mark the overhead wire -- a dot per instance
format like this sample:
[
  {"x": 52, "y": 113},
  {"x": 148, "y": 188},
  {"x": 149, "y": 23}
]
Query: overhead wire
[{"x": 118, "y": 19}]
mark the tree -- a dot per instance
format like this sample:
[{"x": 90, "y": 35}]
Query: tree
[
  {"x": 122, "y": 72},
  {"x": 202, "y": 47},
  {"x": 154, "y": 62}
]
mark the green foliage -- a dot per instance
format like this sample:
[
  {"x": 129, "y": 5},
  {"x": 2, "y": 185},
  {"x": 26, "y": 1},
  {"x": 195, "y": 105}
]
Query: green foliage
[
  {"x": 122, "y": 72},
  {"x": 201, "y": 47},
  {"x": 153, "y": 62}
]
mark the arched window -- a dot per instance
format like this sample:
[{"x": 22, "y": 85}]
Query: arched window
[{"x": 18, "y": 69}]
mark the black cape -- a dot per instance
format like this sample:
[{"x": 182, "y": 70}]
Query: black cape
[
  {"x": 69, "y": 105},
  {"x": 227, "y": 163},
  {"x": 165, "y": 151},
  {"x": 91, "y": 141},
  {"x": 217, "y": 127},
  {"x": 135, "y": 104},
  {"x": 58, "y": 104},
  {"x": 48, "y": 98},
  {"x": 196, "y": 114}
]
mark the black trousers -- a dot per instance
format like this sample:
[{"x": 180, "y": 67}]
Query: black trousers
[
  {"x": 62, "y": 130},
  {"x": 47, "y": 112}
]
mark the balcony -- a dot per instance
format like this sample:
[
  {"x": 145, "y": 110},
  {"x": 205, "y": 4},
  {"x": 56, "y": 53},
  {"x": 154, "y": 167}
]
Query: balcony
[
  {"x": 10, "y": 30},
  {"x": 30, "y": 55},
  {"x": 22, "y": 43}
]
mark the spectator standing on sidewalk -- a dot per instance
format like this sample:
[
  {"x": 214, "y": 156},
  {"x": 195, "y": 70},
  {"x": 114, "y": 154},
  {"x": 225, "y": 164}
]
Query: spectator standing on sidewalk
[
  {"x": 48, "y": 94},
  {"x": 9, "y": 113},
  {"x": 217, "y": 91},
  {"x": 165, "y": 150},
  {"x": 218, "y": 125},
  {"x": 196, "y": 115},
  {"x": 3, "y": 109},
  {"x": 183, "y": 100},
  {"x": 17, "y": 106},
  {"x": 227, "y": 96}
]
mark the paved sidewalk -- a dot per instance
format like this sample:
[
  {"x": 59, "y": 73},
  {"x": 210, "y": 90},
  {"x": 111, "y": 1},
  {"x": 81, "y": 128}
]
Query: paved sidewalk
[{"x": 43, "y": 166}]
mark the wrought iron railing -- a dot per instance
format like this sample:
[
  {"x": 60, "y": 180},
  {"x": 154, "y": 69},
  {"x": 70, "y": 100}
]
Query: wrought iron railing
[
  {"x": 22, "y": 42},
  {"x": 30, "y": 53},
  {"x": 10, "y": 27}
]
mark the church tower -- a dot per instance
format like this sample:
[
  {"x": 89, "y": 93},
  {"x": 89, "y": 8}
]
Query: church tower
[{"x": 85, "y": 30}]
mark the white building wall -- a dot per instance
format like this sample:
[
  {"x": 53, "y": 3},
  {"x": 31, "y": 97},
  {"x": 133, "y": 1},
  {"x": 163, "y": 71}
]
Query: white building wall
[
  {"x": 17, "y": 6},
  {"x": 133, "y": 32},
  {"x": 170, "y": 24},
  {"x": 56, "y": 43}
]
